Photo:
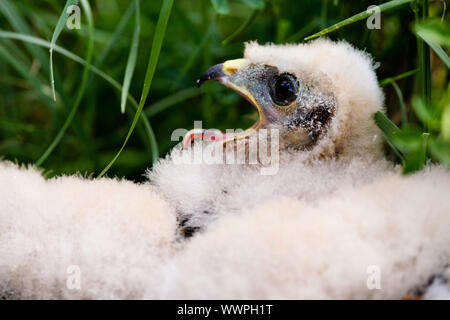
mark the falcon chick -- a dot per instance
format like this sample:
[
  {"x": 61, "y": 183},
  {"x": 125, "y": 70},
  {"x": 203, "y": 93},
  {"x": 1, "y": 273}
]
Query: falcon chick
[{"x": 320, "y": 98}]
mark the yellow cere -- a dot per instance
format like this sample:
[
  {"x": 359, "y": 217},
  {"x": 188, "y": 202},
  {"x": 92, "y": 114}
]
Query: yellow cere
[{"x": 232, "y": 66}]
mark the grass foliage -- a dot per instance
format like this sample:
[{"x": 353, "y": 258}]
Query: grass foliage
[{"x": 64, "y": 91}]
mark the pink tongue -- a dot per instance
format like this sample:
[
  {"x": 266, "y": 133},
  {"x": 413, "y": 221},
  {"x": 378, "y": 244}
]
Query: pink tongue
[{"x": 205, "y": 135}]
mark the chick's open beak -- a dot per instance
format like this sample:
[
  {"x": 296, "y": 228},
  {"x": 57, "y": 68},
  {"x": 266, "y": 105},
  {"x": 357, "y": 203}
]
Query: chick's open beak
[
  {"x": 223, "y": 73},
  {"x": 214, "y": 73}
]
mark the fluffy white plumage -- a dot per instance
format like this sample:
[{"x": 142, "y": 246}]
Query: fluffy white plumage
[{"x": 310, "y": 231}]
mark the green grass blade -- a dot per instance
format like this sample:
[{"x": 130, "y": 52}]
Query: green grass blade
[
  {"x": 386, "y": 125},
  {"x": 16, "y": 19},
  {"x": 59, "y": 27},
  {"x": 417, "y": 158},
  {"x": 82, "y": 88},
  {"x": 421, "y": 14},
  {"x": 221, "y": 6},
  {"x": 428, "y": 115},
  {"x": 116, "y": 35},
  {"x": 387, "y": 81},
  {"x": 303, "y": 31},
  {"x": 357, "y": 17},
  {"x": 241, "y": 28},
  {"x": 255, "y": 4},
  {"x": 440, "y": 150},
  {"x": 94, "y": 69},
  {"x": 192, "y": 58},
  {"x": 172, "y": 100},
  {"x": 445, "y": 123},
  {"x": 67, "y": 54},
  {"x": 440, "y": 52},
  {"x": 401, "y": 102},
  {"x": 131, "y": 63},
  {"x": 46, "y": 44},
  {"x": 113, "y": 41},
  {"x": 436, "y": 48},
  {"x": 435, "y": 31},
  {"x": 19, "y": 24},
  {"x": 19, "y": 66},
  {"x": 158, "y": 38},
  {"x": 388, "y": 129}
]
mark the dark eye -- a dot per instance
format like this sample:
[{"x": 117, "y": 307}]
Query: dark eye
[{"x": 284, "y": 89}]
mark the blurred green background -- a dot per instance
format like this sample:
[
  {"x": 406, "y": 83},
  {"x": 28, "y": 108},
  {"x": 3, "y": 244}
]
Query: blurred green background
[{"x": 194, "y": 41}]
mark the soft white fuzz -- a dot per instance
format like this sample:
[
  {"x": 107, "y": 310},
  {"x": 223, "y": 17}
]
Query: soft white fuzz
[
  {"x": 116, "y": 232},
  {"x": 210, "y": 191},
  {"x": 290, "y": 248},
  {"x": 314, "y": 246},
  {"x": 313, "y": 230},
  {"x": 440, "y": 287}
]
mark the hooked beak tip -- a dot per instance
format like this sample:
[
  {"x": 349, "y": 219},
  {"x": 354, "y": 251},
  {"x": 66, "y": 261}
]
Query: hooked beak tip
[{"x": 214, "y": 73}]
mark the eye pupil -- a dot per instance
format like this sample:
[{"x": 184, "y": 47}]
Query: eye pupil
[{"x": 284, "y": 89}]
